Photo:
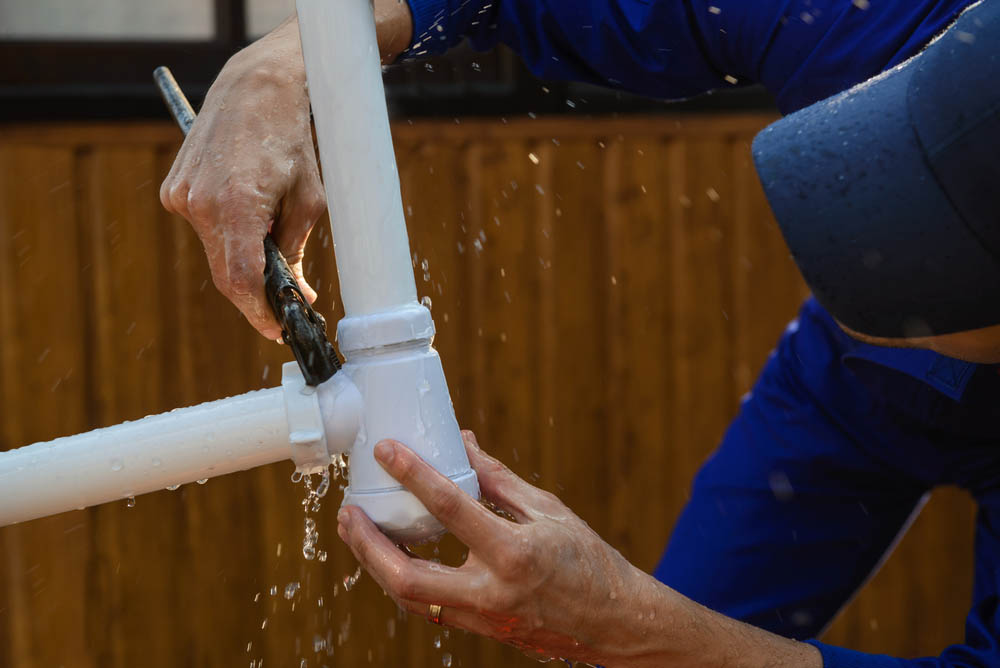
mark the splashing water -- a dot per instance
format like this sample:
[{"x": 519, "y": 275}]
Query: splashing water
[
  {"x": 312, "y": 501},
  {"x": 352, "y": 579}
]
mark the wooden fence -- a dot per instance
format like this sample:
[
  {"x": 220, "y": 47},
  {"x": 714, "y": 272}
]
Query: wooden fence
[{"x": 605, "y": 290}]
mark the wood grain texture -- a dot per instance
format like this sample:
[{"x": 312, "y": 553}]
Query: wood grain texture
[{"x": 605, "y": 290}]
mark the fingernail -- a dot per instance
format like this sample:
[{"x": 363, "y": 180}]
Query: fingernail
[
  {"x": 385, "y": 452},
  {"x": 344, "y": 518}
]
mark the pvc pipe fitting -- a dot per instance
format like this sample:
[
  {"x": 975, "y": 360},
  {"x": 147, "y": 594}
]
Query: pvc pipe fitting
[{"x": 403, "y": 388}]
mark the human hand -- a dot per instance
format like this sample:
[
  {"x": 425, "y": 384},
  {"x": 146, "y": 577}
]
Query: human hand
[
  {"x": 248, "y": 167},
  {"x": 545, "y": 582}
]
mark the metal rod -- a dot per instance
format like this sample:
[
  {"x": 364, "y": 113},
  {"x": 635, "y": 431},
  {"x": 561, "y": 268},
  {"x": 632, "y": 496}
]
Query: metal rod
[{"x": 173, "y": 96}]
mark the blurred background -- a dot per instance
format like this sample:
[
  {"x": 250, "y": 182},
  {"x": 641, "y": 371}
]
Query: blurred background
[{"x": 606, "y": 282}]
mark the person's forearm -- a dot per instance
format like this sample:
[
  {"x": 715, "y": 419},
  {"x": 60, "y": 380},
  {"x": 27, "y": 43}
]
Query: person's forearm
[{"x": 664, "y": 629}]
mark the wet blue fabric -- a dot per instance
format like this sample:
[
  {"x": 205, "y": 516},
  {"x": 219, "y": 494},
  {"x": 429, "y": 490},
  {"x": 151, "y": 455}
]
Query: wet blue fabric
[
  {"x": 830, "y": 456},
  {"x": 801, "y": 50},
  {"x": 839, "y": 442}
]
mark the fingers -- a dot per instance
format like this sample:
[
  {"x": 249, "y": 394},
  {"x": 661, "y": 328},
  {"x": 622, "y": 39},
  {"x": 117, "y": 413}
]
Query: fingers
[
  {"x": 475, "y": 526},
  {"x": 245, "y": 154},
  {"x": 450, "y": 617},
  {"x": 403, "y": 578},
  {"x": 299, "y": 212},
  {"x": 497, "y": 483}
]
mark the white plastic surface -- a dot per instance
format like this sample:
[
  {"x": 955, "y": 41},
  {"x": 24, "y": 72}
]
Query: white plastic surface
[
  {"x": 182, "y": 446},
  {"x": 405, "y": 395},
  {"x": 322, "y": 421},
  {"x": 355, "y": 148},
  {"x": 147, "y": 455}
]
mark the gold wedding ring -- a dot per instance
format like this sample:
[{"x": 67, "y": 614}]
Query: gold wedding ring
[{"x": 435, "y": 614}]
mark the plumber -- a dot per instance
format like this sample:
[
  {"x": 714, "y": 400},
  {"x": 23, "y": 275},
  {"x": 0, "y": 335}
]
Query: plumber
[{"x": 884, "y": 387}]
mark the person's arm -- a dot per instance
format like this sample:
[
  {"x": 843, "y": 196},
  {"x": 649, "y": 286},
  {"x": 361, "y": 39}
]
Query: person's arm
[
  {"x": 248, "y": 164},
  {"x": 654, "y": 47},
  {"x": 546, "y": 582}
]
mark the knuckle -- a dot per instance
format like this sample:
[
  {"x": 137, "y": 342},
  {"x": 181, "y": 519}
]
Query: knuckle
[
  {"x": 405, "y": 469},
  {"x": 177, "y": 196},
  {"x": 199, "y": 203},
  {"x": 446, "y": 503},
  {"x": 165, "y": 188}
]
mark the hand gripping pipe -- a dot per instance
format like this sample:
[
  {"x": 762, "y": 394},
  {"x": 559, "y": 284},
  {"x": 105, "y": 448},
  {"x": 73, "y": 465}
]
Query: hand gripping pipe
[{"x": 391, "y": 386}]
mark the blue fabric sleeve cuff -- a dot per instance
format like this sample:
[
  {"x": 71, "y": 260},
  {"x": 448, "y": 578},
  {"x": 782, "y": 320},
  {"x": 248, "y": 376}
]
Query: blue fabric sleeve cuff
[
  {"x": 430, "y": 28},
  {"x": 838, "y": 657}
]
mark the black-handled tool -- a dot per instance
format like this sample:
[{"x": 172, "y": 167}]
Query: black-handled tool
[{"x": 302, "y": 327}]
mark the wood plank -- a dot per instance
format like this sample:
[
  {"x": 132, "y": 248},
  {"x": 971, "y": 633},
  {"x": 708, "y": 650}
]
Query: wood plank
[
  {"x": 44, "y": 563},
  {"x": 640, "y": 316}
]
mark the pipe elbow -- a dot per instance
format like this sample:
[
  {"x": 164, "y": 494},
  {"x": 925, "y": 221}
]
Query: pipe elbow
[{"x": 323, "y": 421}]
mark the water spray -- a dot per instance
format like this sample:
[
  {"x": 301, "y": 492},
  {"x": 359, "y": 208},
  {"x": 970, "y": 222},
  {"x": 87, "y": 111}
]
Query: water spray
[{"x": 391, "y": 384}]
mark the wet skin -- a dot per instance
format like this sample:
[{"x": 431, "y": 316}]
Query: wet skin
[
  {"x": 545, "y": 582},
  {"x": 249, "y": 165}
]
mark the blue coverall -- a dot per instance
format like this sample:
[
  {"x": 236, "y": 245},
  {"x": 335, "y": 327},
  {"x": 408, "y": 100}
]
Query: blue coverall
[{"x": 839, "y": 441}]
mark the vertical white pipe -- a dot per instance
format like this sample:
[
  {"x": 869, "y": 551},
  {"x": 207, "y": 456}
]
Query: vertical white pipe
[
  {"x": 355, "y": 146},
  {"x": 146, "y": 455}
]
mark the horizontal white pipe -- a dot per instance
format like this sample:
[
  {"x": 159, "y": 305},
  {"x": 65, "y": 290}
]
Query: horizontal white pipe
[
  {"x": 146, "y": 455},
  {"x": 355, "y": 146}
]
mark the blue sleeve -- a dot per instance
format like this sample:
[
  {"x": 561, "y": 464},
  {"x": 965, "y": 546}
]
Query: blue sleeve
[
  {"x": 801, "y": 50},
  {"x": 958, "y": 656},
  {"x": 646, "y": 46}
]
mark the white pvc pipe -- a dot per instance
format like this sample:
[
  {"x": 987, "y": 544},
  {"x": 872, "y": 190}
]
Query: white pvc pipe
[
  {"x": 355, "y": 146},
  {"x": 147, "y": 455}
]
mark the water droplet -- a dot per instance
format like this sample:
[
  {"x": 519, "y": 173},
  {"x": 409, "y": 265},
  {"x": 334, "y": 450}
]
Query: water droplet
[
  {"x": 351, "y": 580},
  {"x": 291, "y": 589},
  {"x": 157, "y": 463},
  {"x": 437, "y": 642},
  {"x": 130, "y": 502},
  {"x": 173, "y": 488},
  {"x": 203, "y": 481},
  {"x": 116, "y": 465},
  {"x": 446, "y": 660},
  {"x": 426, "y": 301}
]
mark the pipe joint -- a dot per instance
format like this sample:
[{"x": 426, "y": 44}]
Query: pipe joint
[
  {"x": 322, "y": 421},
  {"x": 386, "y": 330}
]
